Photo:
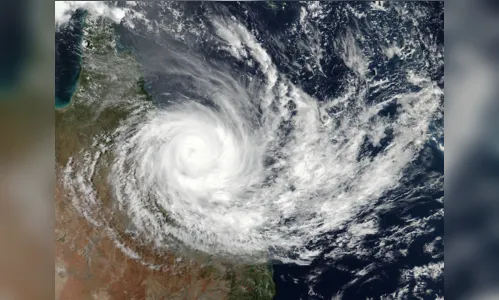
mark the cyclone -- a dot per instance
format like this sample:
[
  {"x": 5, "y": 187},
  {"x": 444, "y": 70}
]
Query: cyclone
[{"x": 253, "y": 166}]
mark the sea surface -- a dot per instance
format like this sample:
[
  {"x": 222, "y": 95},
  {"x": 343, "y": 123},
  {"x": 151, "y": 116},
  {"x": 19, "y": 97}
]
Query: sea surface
[
  {"x": 400, "y": 53},
  {"x": 68, "y": 56}
]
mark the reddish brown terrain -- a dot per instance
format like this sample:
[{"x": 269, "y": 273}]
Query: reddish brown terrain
[{"x": 89, "y": 266}]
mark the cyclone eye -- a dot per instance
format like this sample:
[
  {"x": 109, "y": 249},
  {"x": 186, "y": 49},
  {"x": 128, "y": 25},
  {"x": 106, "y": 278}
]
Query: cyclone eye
[{"x": 250, "y": 153}]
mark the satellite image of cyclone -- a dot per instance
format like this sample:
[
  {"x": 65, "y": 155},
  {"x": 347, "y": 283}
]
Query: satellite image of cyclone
[{"x": 249, "y": 150}]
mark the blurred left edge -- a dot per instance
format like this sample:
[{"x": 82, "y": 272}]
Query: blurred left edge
[{"x": 26, "y": 149}]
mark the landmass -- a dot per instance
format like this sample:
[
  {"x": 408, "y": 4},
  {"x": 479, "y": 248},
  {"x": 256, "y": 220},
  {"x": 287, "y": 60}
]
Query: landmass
[{"x": 89, "y": 263}]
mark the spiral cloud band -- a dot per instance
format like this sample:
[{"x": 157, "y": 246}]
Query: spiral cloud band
[{"x": 255, "y": 166}]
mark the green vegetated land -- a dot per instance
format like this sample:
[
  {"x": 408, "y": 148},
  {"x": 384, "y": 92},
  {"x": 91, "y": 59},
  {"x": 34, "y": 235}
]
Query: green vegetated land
[{"x": 110, "y": 86}]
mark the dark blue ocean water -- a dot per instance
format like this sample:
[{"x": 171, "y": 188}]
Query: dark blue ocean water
[
  {"x": 324, "y": 277},
  {"x": 336, "y": 276},
  {"x": 68, "y": 56}
]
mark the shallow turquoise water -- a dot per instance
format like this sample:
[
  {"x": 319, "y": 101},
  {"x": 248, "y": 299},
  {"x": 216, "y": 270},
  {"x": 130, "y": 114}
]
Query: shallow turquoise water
[{"x": 68, "y": 57}]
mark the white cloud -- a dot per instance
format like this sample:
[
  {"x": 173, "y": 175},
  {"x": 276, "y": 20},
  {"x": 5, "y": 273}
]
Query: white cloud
[{"x": 63, "y": 10}]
